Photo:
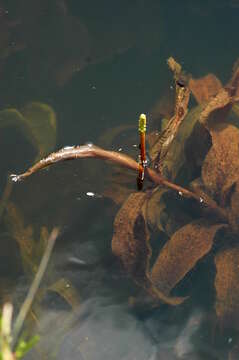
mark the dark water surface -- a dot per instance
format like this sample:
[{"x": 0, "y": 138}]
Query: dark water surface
[{"x": 99, "y": 64}]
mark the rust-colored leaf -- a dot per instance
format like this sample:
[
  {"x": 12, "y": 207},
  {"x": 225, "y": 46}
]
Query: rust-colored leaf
[
  {"x": 227, "y": 287},
  {"x": 181, "y": 253},
  {"x": 221, "y": 165},
  {"x": 234, "y": 206},
  {"x": 131, "y": 237},
  {"x": 205, "y": 88},
  {"x": 233, "y": 84},
  {"x": 216, "y": 109},
  {"x": 130, "y": 244}
]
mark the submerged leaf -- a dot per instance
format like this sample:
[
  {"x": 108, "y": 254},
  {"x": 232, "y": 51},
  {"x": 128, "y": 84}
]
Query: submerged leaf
[
  {"x": 181, "y": 253},
  {"x": 216, "y": 109},
  {"x": 37, "y": 121},
  {"x": 233, "y": 193},
  {"x": 177, "y": 165},
  {"x": 23, "y": 235},
  {"x": 67, "y": 291},
  {"x": 162, "y": 214},
  {"x": 227, "y": 287},
  {"x": 221, "y": 165},
  {"x": 41, "y": 121},
  {"x": 130, "y": 241},
  {"x": 205, "y": 88},
  {"x": 156, "y": 209},
  {"x": 108, "y": 137},
  {"x": 31, "y": 249},
  {"x": 160, "y": 148},
  {"x": 130, "y": 244},
  {"x": 219, "y": 106}
]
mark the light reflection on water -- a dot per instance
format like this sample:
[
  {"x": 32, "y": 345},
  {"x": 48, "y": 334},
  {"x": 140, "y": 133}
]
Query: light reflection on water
[{"x": 126, "y": 74}]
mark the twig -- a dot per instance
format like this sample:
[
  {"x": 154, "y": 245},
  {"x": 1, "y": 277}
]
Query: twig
[
  {"x": 34, "y": 287},
  {"x": 92, "y": 151}
]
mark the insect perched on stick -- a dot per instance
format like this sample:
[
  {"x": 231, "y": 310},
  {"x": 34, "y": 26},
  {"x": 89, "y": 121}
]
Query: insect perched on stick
[{"x": 142, "y": 147}]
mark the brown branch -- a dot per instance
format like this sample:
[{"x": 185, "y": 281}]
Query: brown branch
[{"x": 92, "y": 151}]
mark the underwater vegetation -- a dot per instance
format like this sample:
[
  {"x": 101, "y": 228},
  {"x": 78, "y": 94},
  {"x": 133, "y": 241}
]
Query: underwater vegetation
[{"x": 189, "y": 197}]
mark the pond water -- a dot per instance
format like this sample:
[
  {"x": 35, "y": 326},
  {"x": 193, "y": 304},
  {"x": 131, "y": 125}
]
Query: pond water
[{"x": 93, "y": 67}]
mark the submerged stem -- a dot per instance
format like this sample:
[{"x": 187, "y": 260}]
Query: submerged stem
[{"x": 34, "y": 286}]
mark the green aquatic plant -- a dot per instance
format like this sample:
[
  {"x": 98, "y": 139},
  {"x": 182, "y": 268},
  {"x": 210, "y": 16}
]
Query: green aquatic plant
[
  {"x": 12, "y": 344},
  {"x": 37, "y": 121},
  {"x": 22, "y": 346}
]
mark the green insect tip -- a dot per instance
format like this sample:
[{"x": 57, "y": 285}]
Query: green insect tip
[{"x": 142, "y": 123}]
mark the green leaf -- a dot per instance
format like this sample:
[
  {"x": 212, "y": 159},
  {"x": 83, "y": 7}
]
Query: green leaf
[
  {"x": 37, "y": 121},
  {"x": 24, "y": 346},
  {"x": 41, "y": 121}
]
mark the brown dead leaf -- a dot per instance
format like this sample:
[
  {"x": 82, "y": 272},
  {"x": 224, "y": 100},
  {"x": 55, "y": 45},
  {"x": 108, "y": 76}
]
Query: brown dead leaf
[
  {"x": 233, "y": 85},
  {"x": 181, "y": 253},
  {"x": 234, "y": 207},
  {"x": 216, "y": 109},
  {"x": 131, "y": 237},
  {"x": 227, "y": 287},
  {"x": 221, "y": 165},
  {"x": 130, "y": 244},
  {"x": 205, "y": 88}
]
